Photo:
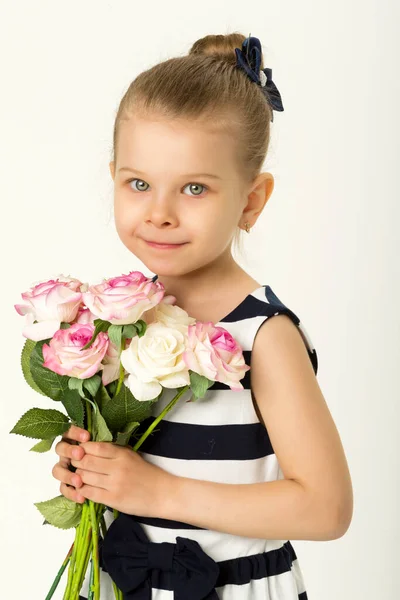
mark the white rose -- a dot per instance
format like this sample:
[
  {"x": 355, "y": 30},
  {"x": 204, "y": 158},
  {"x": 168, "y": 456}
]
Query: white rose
[
  {"x": 154, "y": 361},
  {"x": 173, "y": 316}
]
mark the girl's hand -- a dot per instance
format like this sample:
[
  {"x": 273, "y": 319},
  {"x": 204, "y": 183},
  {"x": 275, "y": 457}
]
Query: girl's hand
[
  {"x": 67, "y": 449},
  {"x": 118, "y": 477}
]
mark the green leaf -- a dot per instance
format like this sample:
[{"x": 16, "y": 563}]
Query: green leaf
[
  {"x": 115, "y": 335},
  {"x": 101, "y": 431},
  {"x": 103, "y": 398},
  {"x": 65, "y": 325},
  {"x": 26, "y": 366},
  {"x": 74, "y": 406},
  {"x": 92, "y": 384},
  {"x": 42, "y": 423},
  {"x": 93, "y": 404},
  {"x": 100, "y": 325},
  {"x": 74, "y": 383},
  {"x": 124, "y": 408},
  {"x": 111, "y": 388},
  {"x": 124, "y": 436},
  {"x": 43, "y": 445},
  {"x": 52, "y": 384},
  {"x": 141, "y": 327},
  {"x": 129, "y": 331},
  {"x": 61, "y": 512},
  {"x": 199, "y": 384}
]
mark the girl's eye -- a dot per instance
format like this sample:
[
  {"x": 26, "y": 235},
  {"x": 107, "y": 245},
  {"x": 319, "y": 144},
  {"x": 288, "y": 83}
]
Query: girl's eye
[
  {"x": 141, "y": 181},
  {"x": 195, "y": 186}
]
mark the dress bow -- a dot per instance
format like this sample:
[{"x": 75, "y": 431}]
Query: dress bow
[
  {"x": 129, "y": 557},
  {"x": 248, "y": 58}
]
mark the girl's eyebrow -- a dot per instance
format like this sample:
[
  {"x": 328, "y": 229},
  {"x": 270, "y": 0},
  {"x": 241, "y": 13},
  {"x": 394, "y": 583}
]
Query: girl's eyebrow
[{"x": 210, "y": 175}]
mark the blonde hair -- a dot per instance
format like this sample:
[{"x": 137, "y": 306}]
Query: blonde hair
[{"x": 205, "y": 86}]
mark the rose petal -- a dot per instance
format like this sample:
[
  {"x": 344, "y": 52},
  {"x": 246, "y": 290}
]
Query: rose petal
[
  {"x": 41, "y": 331},
  {"x": 143, "y": 391}
]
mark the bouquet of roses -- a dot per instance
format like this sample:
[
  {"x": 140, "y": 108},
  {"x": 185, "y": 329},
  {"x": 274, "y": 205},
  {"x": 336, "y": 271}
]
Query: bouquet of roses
[{"x": 106, "y": 352}]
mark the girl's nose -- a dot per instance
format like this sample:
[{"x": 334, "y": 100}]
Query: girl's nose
[{"x": 162, "y": 212}]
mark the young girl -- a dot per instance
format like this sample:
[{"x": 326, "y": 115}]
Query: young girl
[{"x": 211, "y": 501}]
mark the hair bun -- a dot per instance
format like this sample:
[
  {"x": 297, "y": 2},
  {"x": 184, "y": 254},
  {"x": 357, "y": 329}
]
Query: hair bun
[{"x": 221, "y": 46}]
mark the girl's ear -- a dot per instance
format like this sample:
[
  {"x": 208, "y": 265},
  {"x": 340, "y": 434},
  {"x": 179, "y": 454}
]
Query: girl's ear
[
  {"x": 112, "y": 169},
  {"x": 257, "y": 198}
]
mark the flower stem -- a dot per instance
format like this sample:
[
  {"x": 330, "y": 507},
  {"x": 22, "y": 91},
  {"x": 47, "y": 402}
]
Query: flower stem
[
  {"x": 95, "y": 550},
  {"x": 89, "y": 416},
  {"x": 160, "y": 416},
  {"x": 83, "y": 536},
  {"x": 91, "y": 592},
  {"x": 85, "y": 566},
  {"x": 120, "y": 380},
  {"x": 83, "y": 557},
  {"x": 117, "y": 592},
  {"x": 59, "y": 574},
  {"x": 75, "y": 553},
  {"x": 88, "y": 527},
  {"x": 103, "y": 526}
]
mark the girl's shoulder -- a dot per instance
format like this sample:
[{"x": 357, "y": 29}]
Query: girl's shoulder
[{"x": 246, "y": 319}]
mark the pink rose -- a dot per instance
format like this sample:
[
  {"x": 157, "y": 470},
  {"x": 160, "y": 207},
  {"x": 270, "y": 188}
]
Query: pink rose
[
  {"x": 112, "y": 363},
  {"x": 64, "y": 356},
  {"x": 84, "y": 316},
  {"x": 123, "y": 300},
  {"x": 50, "y": 303},
  {"x": 214, "y": 353}
]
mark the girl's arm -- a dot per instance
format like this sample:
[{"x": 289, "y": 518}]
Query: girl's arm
[{"x": 315, "y": 500}]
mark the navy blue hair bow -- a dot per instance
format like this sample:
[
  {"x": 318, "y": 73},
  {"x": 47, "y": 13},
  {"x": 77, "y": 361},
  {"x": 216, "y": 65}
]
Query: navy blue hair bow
[
  {"x": 129, "y": 557},
  {"x": 248, "y": 58}
]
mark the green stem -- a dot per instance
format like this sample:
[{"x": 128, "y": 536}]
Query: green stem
[
  {"x": 85, "y": 566},
  {"x": 117, "y": 592},
  {"x": 83, "y": 559},
  {"x": 75, "y": 553},
  {"x": 59, "y": 574},
  {"x": 95, "y": 549},
  {"x": 90, "y": 593},
  {"x": 88, "y": 526},
  {"x": 121, "y": 379},
  {"x": 103, "y": 526},
  {"x": 160, "y": 416},
  {"x": 89, "y": 417},
  {"x": 82, "y": 538}
]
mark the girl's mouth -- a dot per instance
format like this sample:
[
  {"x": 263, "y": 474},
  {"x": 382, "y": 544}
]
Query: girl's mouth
[{"x": 164, "y": 246}]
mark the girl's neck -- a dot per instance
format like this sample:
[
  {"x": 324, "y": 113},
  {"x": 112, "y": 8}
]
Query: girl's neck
[{"x": 212, "y": 292}]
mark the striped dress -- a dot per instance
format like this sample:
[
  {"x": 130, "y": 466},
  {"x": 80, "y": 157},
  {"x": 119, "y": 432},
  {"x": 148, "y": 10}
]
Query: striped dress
[{"x": 217, "y": 438}]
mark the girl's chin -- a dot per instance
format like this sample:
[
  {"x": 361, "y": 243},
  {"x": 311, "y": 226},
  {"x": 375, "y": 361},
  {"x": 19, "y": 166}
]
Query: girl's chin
[{"x": 165, "y": 268}]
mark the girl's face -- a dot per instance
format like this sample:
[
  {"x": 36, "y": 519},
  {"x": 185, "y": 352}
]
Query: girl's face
[{"x": 176, "y": 183}]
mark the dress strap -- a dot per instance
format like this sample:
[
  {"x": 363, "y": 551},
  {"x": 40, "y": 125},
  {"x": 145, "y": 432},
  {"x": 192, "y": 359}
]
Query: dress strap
[{"x": 269, "y": 305}]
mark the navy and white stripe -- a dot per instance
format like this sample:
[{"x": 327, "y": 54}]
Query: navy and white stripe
[{"x": 220, "y": 438}]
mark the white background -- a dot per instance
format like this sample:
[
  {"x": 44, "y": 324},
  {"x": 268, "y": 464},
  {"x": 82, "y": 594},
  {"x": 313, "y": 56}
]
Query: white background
[{"x": 327, "y": 242}]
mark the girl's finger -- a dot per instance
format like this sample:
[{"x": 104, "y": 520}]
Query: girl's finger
[
  {"x": 71, "y": 493},
  {"x": 76, "y": 434},
  {"x": 64, "y": 462},
  {"x": 65, "y": 476},
  {"x": 64, "y": 449}
]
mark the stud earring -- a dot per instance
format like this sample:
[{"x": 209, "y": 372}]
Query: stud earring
[{"x": 247, "y": 227}]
